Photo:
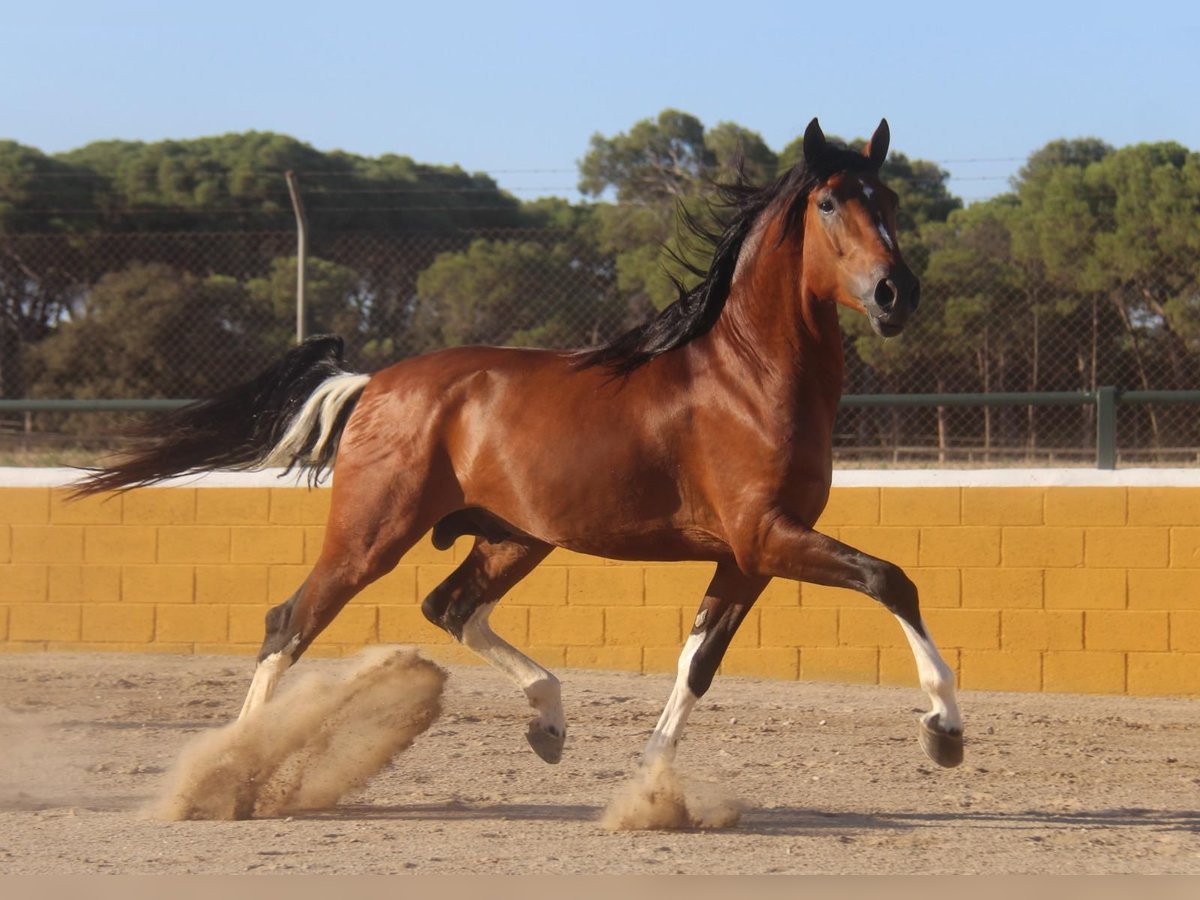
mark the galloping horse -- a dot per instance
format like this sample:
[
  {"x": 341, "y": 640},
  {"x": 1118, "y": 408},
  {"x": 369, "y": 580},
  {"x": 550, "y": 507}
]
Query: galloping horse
[{"x": 704, "y": 434}]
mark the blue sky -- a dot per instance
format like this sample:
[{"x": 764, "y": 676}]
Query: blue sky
[{"x": 517, "y": 88}]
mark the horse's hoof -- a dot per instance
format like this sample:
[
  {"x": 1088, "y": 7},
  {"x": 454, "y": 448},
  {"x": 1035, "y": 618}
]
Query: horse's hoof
[
  {"x": 944, "y": 747},
  {"x": 546, "y": 743}
]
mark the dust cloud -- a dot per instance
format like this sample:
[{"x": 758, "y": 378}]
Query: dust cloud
[
  {"x": 657, "y": 800},
  {"x": 320, "y": 738}
]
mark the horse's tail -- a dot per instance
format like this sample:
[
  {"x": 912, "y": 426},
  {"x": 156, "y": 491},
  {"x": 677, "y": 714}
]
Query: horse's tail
[{"x": 290, "y": 415}]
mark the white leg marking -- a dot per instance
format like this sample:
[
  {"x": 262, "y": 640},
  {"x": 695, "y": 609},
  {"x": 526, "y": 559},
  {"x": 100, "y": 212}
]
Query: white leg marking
[
  {"x": 936, "y": 678},
  {"x": 266, "y": 676},
  {"x": 679, "y": 706},
  {"x": 539, "y": 684}
]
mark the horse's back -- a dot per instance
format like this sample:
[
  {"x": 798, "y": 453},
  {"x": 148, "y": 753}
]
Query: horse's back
[{"x": 531, "y": 436}]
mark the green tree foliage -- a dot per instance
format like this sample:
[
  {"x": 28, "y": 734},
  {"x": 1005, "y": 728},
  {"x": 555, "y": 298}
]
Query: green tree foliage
[
  {"x": 125, "y": 340},
  {"x": 334, "y": 297},
  {"x": 235, "y": 181},
  {"x": 521, "y": 293}
]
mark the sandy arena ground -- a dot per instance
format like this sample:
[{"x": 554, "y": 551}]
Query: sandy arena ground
[{"x": 831, "y": 778}]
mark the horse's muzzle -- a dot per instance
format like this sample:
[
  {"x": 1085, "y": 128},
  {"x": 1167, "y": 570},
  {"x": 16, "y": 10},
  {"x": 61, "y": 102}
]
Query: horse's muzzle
[{"x": 892, "y": 300}]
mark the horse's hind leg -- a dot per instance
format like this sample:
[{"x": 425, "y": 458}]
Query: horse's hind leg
[
  {"x": 462, "y": 605},
  {"x": 729, "y": 597},
  {"x": 368, "y": 530}
]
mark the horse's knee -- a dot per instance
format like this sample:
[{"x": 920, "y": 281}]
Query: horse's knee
[{"x": 887, "y": 583}]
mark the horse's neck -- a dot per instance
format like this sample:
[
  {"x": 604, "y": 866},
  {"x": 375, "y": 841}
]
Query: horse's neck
[{"x": 773, "y": 322}]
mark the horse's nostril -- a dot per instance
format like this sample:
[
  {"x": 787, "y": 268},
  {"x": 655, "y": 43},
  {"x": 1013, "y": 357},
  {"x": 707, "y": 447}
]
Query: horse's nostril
[{"x": 886, "y": 294}]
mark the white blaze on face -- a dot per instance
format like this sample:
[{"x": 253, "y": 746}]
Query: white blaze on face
[{"x": 868, "y": 193}]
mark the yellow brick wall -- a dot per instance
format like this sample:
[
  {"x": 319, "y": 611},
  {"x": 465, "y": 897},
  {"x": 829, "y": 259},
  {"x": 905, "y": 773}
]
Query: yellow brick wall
[{"x": 1089, "y": 589}]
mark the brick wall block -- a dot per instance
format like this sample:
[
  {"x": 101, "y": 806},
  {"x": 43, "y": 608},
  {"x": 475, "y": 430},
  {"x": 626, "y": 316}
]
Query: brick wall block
[
  {"x": 869, "y": 628},
  {"x": 962, "y": 545},
  {"x": 937, "y": 587},
  {"x": 1002, "y": 506},
  {"x": 762, "y": 662},
  {"x": 407, "y": 625},
  {"x": 787, "y": 627},
  {"x": 1041, "y": 547},
  {"x": 299, "y": 506},
  {"x": 193, "y": 544},
  {"x": 683, "y": 584},
  {"x": 158, "y": 584},
  {"x": 160, "y": 506},
  {"x": 855, "y": 665},
  {"x": 1085, "y": 506},
  {"x": 1158, "y": 674},
  {"x": 355, "y": 625},
  {"x": 396, "y": 587},
  {"x": 1085, "y": 588},
  {"x": 102, "y": 509},
  {"x": 606, "y": 586},
  {"x": 233, "y": 506},
  {"x": 44, "y": 621},
  {"x": 648, "y": 626},
  {"x": 1185, "y": 630},
  {"x": 1164, "y": 506},
  {"x": 117, "y": 622},
  {"x": 1125, "y": 630},
  {"x": 920, "y": 506},
  {"x": 1126, "y": 547},
  {"x": 544, "y": 586},
  {"x": 120, "y": 543},
  {"x": 84, "y": 584},
  {"x": 978, "y": 629},
  {"x": 179, "y": 623},
  {"x": 25, "y": 583},
  {"x": 850, "y": 506},
  {"x": 1083, "y": 672},
  {"x": 1164, "y": 589},
  {"x": 567, "y": 625},
  {"x": 47, "y": 543},
  {"x": 1001, "y": 588},
  {"x": 1185, "y": 548},
  {"x": 231, "y": 584},
  {"x": 1032, "y": 629},
  {"x": 1001, "y": 670},
  {"x": 25, "y": 506},
  {"x": 266, "y": 544}
]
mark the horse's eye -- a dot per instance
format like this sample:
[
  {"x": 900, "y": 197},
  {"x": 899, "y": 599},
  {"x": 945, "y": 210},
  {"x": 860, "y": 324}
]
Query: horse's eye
[{"x": 825, "y": 206}]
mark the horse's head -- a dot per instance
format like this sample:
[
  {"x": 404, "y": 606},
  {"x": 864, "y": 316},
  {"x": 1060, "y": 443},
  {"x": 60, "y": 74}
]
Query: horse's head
[{"x": 850, "y": 250}]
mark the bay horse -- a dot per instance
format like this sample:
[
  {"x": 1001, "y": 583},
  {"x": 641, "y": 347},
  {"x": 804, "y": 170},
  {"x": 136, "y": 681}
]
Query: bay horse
[{"x": 704, "y": 434}]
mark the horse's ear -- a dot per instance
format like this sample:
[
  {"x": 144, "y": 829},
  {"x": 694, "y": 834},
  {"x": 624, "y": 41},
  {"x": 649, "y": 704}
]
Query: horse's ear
[
  {"x": 877, "y": 147},
  {"x": 814, "y": 143}
]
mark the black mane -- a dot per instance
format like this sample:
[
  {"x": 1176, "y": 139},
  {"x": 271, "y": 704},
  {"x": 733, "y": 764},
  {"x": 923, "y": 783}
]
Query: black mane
[{"x": 696, "y": 310}]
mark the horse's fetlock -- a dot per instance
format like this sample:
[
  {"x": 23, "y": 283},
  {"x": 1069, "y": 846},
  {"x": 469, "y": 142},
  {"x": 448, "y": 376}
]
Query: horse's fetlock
[{"x": 545, "y": 693}]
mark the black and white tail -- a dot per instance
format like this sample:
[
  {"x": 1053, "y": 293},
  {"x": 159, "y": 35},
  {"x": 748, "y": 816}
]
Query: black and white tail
[{"x": 290, "y": 415}]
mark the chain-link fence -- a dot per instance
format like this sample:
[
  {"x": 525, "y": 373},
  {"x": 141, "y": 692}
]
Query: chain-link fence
[{"x": 180, "y": 315}]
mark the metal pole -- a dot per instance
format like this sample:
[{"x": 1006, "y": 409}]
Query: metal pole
[
  {"x": 1106, "y": 427},
  {"x": 301, "y": 250}
]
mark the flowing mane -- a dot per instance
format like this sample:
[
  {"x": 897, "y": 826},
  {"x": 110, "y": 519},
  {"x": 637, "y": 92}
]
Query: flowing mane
[{"x": 737, "y": 210}]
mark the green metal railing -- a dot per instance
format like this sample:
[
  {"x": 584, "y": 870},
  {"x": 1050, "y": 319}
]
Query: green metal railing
[{"x": 1105, "y": 399}]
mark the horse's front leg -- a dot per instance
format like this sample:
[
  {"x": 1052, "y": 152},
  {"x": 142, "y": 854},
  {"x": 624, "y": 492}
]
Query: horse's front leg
[
  {"x": 726, "y": 602},
  {"x": 793, "y": 551}
]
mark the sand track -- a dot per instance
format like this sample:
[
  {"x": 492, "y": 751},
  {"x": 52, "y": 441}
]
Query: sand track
[{"x": 829, "y": 779}]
